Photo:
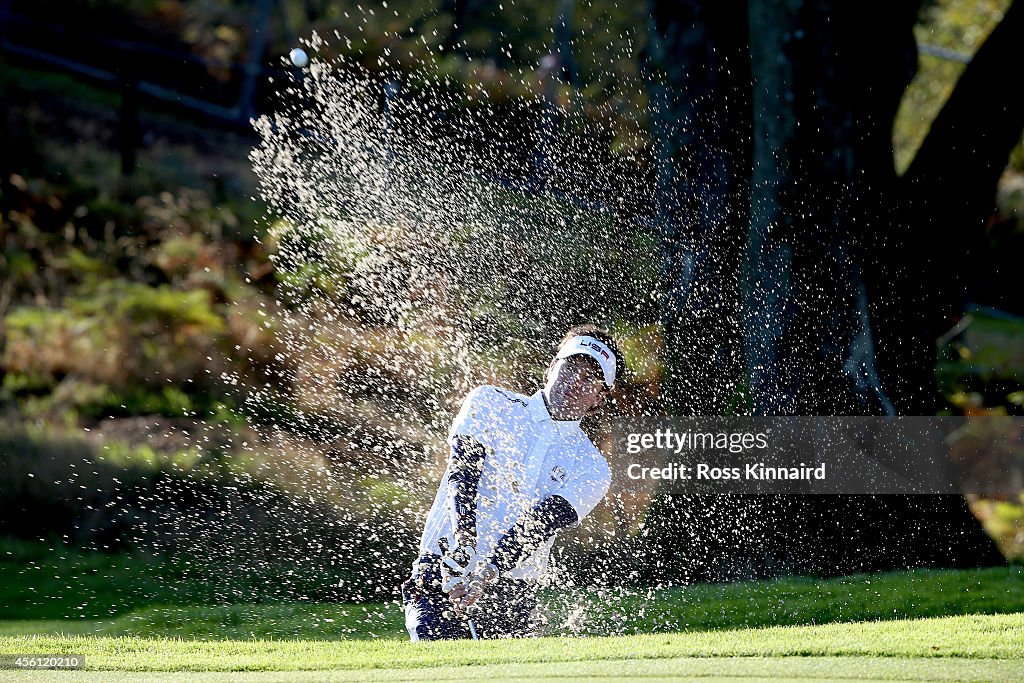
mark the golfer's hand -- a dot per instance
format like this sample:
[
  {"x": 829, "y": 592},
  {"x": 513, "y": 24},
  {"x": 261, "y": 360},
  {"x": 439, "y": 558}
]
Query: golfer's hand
[
  {"x": 457, "y": 567},
  {"x": 472, "y": 586},
  {"x": 465, "y": 594}
]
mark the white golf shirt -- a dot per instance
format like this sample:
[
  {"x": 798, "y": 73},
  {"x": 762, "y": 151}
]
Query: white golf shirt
[{"x": 529, "y": 457}]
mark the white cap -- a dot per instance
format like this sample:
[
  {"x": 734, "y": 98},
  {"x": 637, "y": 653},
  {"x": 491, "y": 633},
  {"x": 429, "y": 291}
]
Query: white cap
[{"x": 594, "y": 348}]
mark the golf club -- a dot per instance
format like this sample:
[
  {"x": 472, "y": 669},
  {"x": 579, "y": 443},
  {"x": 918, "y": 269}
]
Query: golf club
[{"x": 443, "y": 544}]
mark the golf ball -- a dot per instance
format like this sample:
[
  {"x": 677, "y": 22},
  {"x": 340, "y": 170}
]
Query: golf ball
[{"x": 299, "y": 57}]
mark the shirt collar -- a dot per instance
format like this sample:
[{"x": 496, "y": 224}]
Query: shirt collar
[{"x": 539, "y": 413}]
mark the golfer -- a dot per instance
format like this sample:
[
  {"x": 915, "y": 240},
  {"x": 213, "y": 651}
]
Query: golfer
[{"x": 520, "y": 468}]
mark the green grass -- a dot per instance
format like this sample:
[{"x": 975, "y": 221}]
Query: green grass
[
  {"x": 50, "y": 581},
  {"x": 676, "y": 669},
  {"x": 945, "y": 648},
  {"x": 49, "y": 591},
  {"x": 51, "y": 588},
  {"x": 54, "y": 584},
  {"x": 803, "y": 600},
  {"x": 295, "y": 621},
  {"x": 915, "y": 625}
]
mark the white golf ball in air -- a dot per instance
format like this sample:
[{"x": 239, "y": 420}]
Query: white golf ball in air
[{"x": 299, "y": 57}]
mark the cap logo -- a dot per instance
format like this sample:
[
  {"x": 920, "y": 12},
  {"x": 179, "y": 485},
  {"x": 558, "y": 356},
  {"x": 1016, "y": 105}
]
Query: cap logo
[
  {"x": 604, "y": 354},
  {"x": 595, "y": 349}
]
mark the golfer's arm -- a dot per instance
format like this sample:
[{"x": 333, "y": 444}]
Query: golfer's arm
[
  {"x": 467, "y": 464},
  {"x": 534, "y": 528}
]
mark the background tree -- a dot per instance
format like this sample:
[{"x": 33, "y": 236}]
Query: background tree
[
  {"x": 700, "y": 111},
  {"x": 843, "y": 287}
]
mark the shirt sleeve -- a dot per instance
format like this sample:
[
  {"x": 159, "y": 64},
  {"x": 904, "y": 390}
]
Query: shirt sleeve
[
  {"x": 586, "y": 488},
  {"x": 465, "y": 465},
  {"x": 476, "y": 417},
  {"x": 536, "y": 526}
]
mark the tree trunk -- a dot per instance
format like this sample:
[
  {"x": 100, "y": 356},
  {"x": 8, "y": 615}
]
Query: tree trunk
[
  {"x": 924, "y": 265},
  {"x": 822, "y": 164},
  {"x": 821, "y": 216},
  {"x": 699, "y": 70},
  {"x": 826, "y": 225},
  {"x": 701, "y": 112}
]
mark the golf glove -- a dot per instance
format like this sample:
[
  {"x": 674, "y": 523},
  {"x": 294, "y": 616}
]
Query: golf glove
[{"x": 465, "y": 567}]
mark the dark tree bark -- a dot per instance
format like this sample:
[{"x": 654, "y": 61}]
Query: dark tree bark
[
  {"x": 967, "y": 147},
  {"x": 697, "y": 58},
  {"x": 820, "y": 169},
  {"x": 561, "y": 45},
  {"x": 466, "y": 15},
  {"x": 825, "y": 209},
  {"x": 698, "y": 68},
  {"x": 830, "y": 235},
  {"x": 946, "y": 195},
  {"x": 129, "y": 136}
]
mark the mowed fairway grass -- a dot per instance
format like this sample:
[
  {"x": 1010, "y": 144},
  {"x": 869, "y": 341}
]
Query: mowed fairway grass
[
  {"x": 973, "y": 648},
  {"x": 917, "y": 625}
]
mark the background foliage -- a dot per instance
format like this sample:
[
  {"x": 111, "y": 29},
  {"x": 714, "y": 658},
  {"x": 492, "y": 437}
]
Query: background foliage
[{"x": 139, "y": 311}]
